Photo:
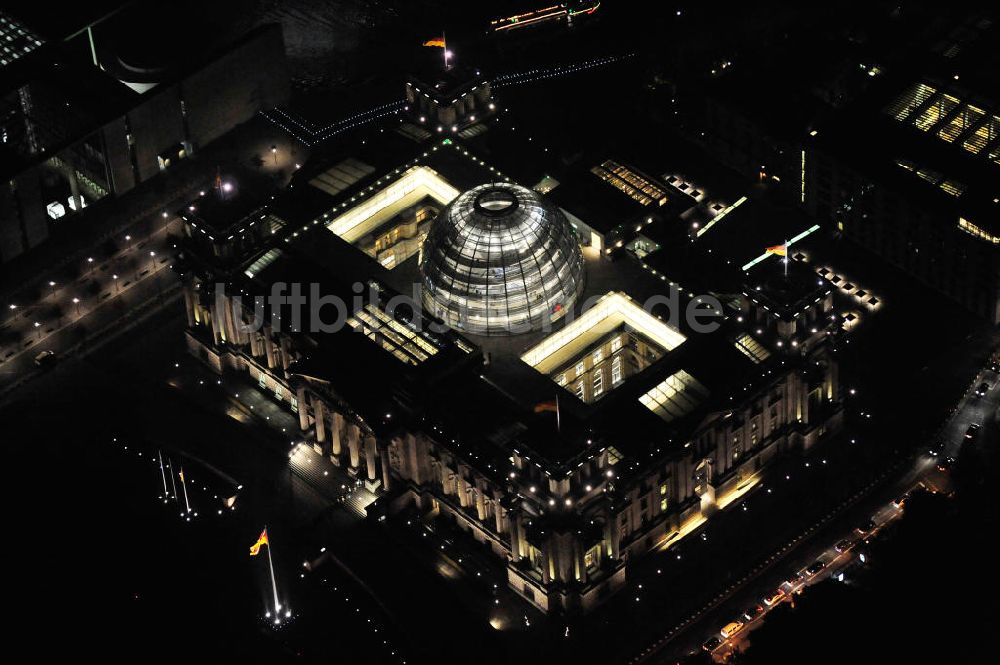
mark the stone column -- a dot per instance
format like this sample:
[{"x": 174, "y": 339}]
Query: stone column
[
  {"x": 320, "y": 419},
  {"x": 300, "y": 397},
  {"x": 286, "y": 354},
  {"x": 336, "y": 432},
  {"x": 498, "y": 515},
  {"x": 353, "y": 445},
  {"x": 514, "y": 523},
  {"x": 611, "y": 537},
  {"x": 269, "y": 348},
  {"x": 213, "y": 320},
  {"x": 189, "y": 304},
  {"x": 370, "y": 456},
  {"x": 480, "y": 505},
  {"x": 255, "y": 349},
  {"x": 383, "y": 451}
]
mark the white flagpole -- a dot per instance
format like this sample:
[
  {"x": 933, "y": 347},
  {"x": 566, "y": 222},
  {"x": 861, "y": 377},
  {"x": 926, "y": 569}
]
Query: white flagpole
[
  {"x": 173, "y": 483},
  {"x": 786, "y": 258},
  {"x": 187, "y": 505},
  {"x": 558, "y": 416},
  {"x": 274, "y": 585},
  {"x": 444, "y": 38},
  {"x": 166, "y": 494}
]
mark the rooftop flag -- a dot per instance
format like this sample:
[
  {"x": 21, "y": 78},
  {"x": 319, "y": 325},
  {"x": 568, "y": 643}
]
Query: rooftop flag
[
  {"x": 780, "y": 250},
  {"x": 437, "y": 41},
  {"x": 255, "y": 550}
]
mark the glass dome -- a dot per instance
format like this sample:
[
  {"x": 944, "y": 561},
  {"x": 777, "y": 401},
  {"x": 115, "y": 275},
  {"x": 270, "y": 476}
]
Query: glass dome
[{"x": 499, "y": 260}]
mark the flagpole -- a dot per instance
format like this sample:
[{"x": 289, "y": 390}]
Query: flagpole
[
  {"x": 173, "y": 483},
  {"x": 184, "y": 486},
  {"x": 444, "y": 38},
  {"x": 786, "y": 258},
  {"x": 558, "y": 416},
  {"x": 166, "y": 494},
  {"x": 274, "y": 585}
]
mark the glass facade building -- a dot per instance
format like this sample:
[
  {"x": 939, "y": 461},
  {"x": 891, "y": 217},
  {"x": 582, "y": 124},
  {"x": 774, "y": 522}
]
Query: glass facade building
[{"x": 500, "y": 261}]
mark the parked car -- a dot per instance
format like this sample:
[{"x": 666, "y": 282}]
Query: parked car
[
  {"x": 844, "y": 545},
  {"x": 972, "y": 432},
  {"x": 794, "y": 579},
  {"x": 815, "y": 567},
  {"x": 45, "y": 358},
  {"x": 945, "y": 462},
  {"x": 983, "y": 388},
  {"x": 867, "y": 527},
  {"x": 732, "y": 628},
  {"x": 711, "y": 644},
  {"x": 774, "y": 597},
  {"x": 753, "y": 612}
]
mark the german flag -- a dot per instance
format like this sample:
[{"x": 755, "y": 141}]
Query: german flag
[
  {"x": 255, "y": 549},
  {"x": 551, "y": 406},
  {"x": 780, "y": 250},
  {"x": 437, "y": 41}
]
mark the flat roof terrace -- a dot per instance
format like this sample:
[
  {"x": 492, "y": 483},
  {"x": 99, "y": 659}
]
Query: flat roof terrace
[{"x": 610, "y": 312}]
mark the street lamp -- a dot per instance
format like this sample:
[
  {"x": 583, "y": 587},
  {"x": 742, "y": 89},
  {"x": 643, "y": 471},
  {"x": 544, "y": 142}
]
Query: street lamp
[
  {"x": 90, "y": 262},
  {"x": 38, "y": 327},
  {"x": 274, "y": 153},
  {"x": 52, "y": 286},
  {"x": 115, "y": 277},
  {"x": 76, "y": 301},
  {"x": 152, "y": 261}
]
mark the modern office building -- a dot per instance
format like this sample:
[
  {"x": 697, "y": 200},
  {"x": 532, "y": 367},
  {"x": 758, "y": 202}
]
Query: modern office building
[
  {"x": 909, "y": 171},
  {"x": 78, "y": 126},
  {"x": 569, "y": 451}
]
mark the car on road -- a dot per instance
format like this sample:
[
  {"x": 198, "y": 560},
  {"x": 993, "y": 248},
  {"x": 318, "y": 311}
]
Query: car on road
[
  {"x": 794, "y": 579},
  {"x": 973, "y": 430},
  {"x": 753, "y": 612},
  {"x": 936, "y": 449},
  {"x": 945, "y": 462},
  {"x": 731, "y": 628},
  {"x": 867, "y": 527},
  {"x": 995, "y": 367},
  {"x": 815, "y": 567},
  {"x": 844, "y": 545},
  {"x": 900, "y": 501},
  {"x": 45, "y": 358},
  {"x": 774, "y": 597},
  {"x": 711, "y": 644},
  {"x": 983, "y": 388}
]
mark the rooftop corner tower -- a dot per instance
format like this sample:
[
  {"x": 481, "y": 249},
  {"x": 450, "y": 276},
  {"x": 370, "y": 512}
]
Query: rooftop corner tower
[{"x": 500, "y": 260}]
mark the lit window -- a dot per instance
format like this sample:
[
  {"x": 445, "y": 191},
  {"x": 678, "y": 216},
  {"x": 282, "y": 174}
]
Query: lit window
[
  {"x": 616, "y": 370},
  {"x": 663, "y": 505},
  {"x": 580, "y": 368},
  {"x": 616, "y": 344},
  {"x": 598, "y": 383},
  {"x": 579, "y": 390},
  {"x": 262, "y": 380},
  {"x": 598, "y": 356},
  {"x": 561, "y": 379},
  {"x": 663, "y": 489}
]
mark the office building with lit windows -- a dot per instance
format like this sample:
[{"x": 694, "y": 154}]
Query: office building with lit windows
[
  {"x": 82, "y": 121},
  {"x": 568, "y": 450},
  {"x": 910, "y": 170}
]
